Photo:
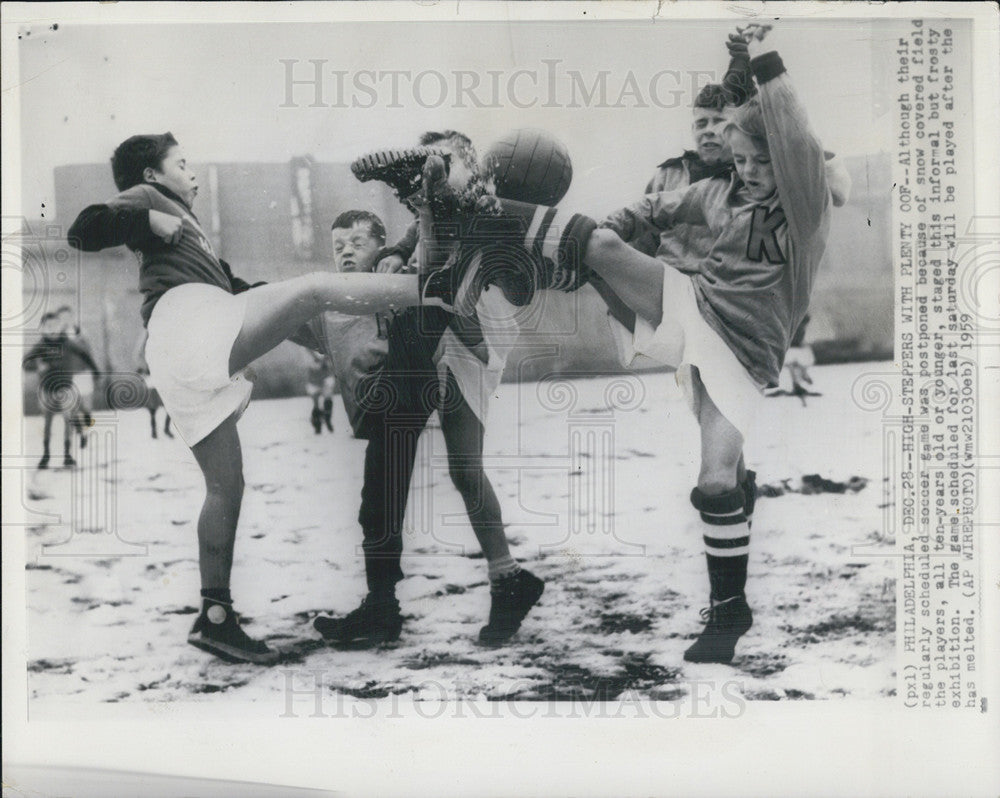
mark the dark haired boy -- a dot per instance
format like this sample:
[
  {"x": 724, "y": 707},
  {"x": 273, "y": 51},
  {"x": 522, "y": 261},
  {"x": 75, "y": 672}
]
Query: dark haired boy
[{"x": 205, "y": 327}]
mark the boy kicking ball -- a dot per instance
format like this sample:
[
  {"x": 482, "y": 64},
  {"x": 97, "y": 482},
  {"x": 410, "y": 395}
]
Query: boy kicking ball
[
  {"x": 727, "y": 323},
  {"x": 205, "y": 326}
]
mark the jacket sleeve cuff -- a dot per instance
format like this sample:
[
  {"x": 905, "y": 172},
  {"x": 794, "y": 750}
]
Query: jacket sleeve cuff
[{"x": 767, "y": 66}]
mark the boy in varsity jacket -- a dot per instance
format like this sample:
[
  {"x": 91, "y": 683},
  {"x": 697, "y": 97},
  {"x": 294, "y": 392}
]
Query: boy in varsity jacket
[
  {"x": 205, "y": 327},
  {"x": 723, "y": 317},
  {"x": 728, "y": 325}
]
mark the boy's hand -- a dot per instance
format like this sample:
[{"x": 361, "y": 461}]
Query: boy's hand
[
  {"x": 737, "y": 47},
  {"x": 166, "y": 226},
  {"x": 753, "y": 34},
  {"x": 391, "y": 264}
]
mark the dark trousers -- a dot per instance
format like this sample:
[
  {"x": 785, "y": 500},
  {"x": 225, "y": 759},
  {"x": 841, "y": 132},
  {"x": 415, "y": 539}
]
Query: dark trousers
[{"x": 407, "y": 393}]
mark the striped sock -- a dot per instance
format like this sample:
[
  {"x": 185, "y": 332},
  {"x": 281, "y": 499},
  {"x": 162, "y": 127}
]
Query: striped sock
[
  {"x": 501, "y": 568},
  {"x": 727, "y": 540},
  {"x": 560, "y": 237}
]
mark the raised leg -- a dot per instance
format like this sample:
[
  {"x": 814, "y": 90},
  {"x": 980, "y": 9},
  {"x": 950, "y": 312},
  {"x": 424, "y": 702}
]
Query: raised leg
[
  {"x": 276, "y": 311},
  {"x": 636, "y": 279}
]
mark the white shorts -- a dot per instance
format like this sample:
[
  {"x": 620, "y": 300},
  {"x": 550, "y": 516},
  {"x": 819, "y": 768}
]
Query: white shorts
[
  {"x": 683, "y": 341},
  {"x": 476, "y": 380},
  {"x": 191, "y": 335}
]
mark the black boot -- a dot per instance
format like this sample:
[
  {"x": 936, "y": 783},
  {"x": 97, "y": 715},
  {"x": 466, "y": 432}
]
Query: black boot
[
  {"x": 725, "y": 622},
  {"x": 377, "y": 620},
  {"x": 217, "y": 630},
  {"x": 511, "y": 600},
  {"x": 317, "y": 420}
]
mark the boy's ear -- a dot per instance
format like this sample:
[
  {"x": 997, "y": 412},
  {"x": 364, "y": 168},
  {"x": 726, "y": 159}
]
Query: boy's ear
[{"x": 149, "y": 175}]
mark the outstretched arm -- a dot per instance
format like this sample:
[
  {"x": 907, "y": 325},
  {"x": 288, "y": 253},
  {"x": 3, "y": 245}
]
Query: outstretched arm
[
  {"x": 661, "y": 211},
  {"x": 737, "y": 83}
]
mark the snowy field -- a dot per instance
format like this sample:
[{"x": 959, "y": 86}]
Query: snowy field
[{"x": 595, "y": 502}]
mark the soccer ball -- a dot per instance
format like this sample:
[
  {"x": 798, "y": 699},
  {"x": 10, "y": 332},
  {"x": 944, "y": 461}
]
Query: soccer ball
[{"x": 529, "y": 165}]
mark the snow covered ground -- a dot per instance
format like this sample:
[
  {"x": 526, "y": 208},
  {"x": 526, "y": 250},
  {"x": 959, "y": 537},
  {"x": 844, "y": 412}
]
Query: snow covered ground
[{"x": 595, "y": 502}]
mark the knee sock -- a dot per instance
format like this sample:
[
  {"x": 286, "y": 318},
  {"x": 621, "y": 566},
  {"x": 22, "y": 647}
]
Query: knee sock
[
  {"x": 555, "y": 240},
  {"x": 727, "y": 541},
  {"x": 560, "y": 237}
]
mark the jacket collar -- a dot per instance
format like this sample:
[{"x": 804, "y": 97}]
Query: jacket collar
[
  {"x": 166, "y": 192},
  {"x": 697, "y": 168}
]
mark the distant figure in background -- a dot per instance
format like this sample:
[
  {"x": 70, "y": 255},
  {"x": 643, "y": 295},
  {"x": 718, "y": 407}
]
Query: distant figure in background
[
  {"x": 320, "y": 383},
  {"x": 795, "y": 374},
  {"x": 55, "y": 357},
  {"x": 153, "y": 400},
  {"x": 303, "y": 237},
  {"x": 83, "y": 377}
]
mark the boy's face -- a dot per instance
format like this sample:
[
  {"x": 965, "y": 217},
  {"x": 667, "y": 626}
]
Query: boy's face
[
  {"x": 175, "y": 175},
  {"x": 65, "y": 320},
  {"x": 753, "y": 165},
  {"x": 354, "y": 248},
  {"x": 706, "y": 127}
]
